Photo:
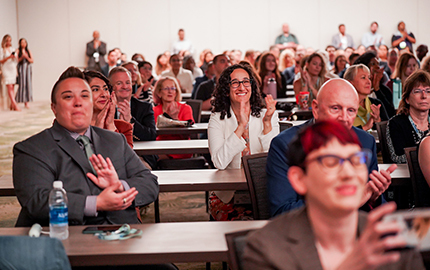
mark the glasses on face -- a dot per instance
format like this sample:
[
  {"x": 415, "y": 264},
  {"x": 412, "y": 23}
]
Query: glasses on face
[
  {"x": 236, "y": 83},
  {"x": 176, "y": 60},
  {"x": 333, "y": 163},
  {"x": 169, "y": 88},
  {"x": 421, "y": 91}
]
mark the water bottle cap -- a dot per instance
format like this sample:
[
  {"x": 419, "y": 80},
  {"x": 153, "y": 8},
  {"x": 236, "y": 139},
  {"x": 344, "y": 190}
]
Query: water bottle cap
[{"x": 58, "y": 184}]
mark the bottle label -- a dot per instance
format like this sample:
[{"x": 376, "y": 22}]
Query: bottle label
[{"x": 59, "y": 215}]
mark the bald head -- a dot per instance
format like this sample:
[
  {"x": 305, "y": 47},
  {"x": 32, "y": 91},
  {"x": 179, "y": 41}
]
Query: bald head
[
  {"x": 285, "y": 28},
  {"x": 96, "y": 35},
  {"x": 336, "y": 100}
]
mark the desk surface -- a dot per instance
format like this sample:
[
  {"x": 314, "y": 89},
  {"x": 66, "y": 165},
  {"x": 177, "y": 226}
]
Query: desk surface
[
  {"x": 160, "y": 243},
  {"x": 171, "y": 147},
  {"x": 288, "y": 100},
  {"x": 194, "y": 129},
  {"x": 201, "y": 180}
]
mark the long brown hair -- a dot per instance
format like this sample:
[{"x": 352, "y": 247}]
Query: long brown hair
[
  {"x": 419, "y": 77},
  {"x": 262, "y": 71},
  {"x": 401, "y": 66}
]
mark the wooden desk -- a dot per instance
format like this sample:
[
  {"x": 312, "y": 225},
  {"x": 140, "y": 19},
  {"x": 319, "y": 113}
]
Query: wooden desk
[
  {"x": 186, "y": 95},
  {"x": 288, "y": 99},
  {"x": 194, "y": 129},
  {"x": 171, "y": 147},
  {"x": 6, "y": 185},
  {"x": 159, "y": 243}
]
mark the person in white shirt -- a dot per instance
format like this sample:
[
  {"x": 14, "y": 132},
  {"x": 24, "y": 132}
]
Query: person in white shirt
[
  {"x": 342, "y": 40},
  {"x": 185, "y": 77},
  {"x": 182, "y": 46},
  {"x": 372, "y": 38}
]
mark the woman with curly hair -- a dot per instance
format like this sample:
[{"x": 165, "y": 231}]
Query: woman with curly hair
[{"x": 238, "y": 126}]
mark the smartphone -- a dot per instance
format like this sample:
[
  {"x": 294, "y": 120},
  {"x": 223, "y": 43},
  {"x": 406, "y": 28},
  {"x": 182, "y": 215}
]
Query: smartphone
[
  {"x": 13, "y": 53},
  {"x": 415, "y": 227},
  {"x": 100, "y": 229}
]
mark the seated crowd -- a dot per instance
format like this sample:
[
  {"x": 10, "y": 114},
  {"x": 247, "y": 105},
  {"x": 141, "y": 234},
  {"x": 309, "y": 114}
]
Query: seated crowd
[{"x": 319, "y": 174}]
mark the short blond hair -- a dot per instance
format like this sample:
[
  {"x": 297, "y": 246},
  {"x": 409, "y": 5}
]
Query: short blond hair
[{"x": 159, "y": 85}]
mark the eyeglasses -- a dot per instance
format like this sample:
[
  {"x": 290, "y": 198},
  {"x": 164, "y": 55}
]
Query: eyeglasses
[
  {"x": 176, "y": 60},
  {"x": 421, "y": 91},
  {"x": 235, "y": 83},
  {"x": 333, "y": 163},
  {"x": 168, "y": 88}
]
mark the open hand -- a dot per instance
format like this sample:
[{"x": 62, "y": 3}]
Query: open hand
[
  {"x": 110, "y": 200},
  {"x": 106, "y": 173}
]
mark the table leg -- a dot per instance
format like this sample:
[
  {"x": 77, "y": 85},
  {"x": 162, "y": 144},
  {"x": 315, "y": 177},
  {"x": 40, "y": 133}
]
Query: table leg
[{"x": 157, "y": 211}]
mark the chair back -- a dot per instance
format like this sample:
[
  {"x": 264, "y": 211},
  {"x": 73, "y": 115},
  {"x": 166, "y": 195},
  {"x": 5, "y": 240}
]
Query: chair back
[
  {"x": 255, "y": 172},
  {"x": 284, "y": 125},
  {"x": 236, "y": 243},
  {"x": 196, "y": 106},
  {"x": 24, "y": 252},
  {"x": 381, "y": 128},
  {"x": 420, "y": 187}
]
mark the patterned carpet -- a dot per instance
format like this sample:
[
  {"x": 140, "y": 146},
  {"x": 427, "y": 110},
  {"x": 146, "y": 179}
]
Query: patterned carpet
[{"x": 17, "y": 126}]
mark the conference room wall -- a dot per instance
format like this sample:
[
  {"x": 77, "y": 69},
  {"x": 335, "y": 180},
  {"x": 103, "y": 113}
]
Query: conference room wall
[{"x": 57, "y": 30}]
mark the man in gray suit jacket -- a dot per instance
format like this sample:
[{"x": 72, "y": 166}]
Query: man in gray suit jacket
[
  {"x": 110, "y": 195},
  {"x": 96, "y": 51},
  {"x": 342, "y": 40}
]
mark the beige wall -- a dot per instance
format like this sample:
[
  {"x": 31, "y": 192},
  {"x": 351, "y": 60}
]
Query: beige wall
[{"x": 57, "y": 30}]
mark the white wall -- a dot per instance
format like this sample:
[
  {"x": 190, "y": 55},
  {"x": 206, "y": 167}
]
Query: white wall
[{"x": 57, "y": 30}]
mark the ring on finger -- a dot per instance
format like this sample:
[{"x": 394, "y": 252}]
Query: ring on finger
[{"x": 124, "y": 200}]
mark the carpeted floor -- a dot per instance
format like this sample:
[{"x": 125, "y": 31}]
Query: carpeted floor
[{"x": 17, "y": 126}]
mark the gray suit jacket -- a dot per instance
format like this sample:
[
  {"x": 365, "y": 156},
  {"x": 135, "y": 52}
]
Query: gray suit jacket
[
  {"x": 90, "y": 51},
  {"x": 54, "y": 155},
  {"x": 288, "y": 242},
  {"x": 335, "y": 41}
]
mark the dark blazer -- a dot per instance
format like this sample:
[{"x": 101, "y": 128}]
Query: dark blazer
[
  {"x": 54, "y": 155},
  {"x": 91, "y": 60},
  {"x": 143, "y": 119},
  {"x": 288, "y": 242}
]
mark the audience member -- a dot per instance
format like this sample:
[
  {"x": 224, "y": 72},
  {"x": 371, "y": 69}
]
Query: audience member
[
  {"x": 328, "y": 168},
  {"x": 331, "y": 54},
  {"x": 209, "y": 75},
  {"x": 370, "y": 110},
  {"x": 337, "y": 100},
  {"x": 190, "y": 64},
  {"x": 383, "y": 52},
  {"x": 182, "y": 46},
  {"x": 286, "y": 59},
  {"x": 167, "y": 95},
  {"x": 96, "y": 51},
  {"x": 250, "y": 56},
  {"x": 360, "y": 49},
  {"x": 424, "y": 157},
  {"x": 393, "y": 55},
  {"x": 352, "y": 58},
  {"x": 422, "y": 51},
  {"x": 104, "y": 106},
  {"x": 137, "y": 57},
  {"x": 8, "y": 63},
  {"x": 112, "y": 62},
  {"x": 405, "y": 66},
  {"x": 312, "y": 77},
  {"x": 339, "y": 64},
  {"x": 184, "y": 77},
  {"x": 205, "y": 90},
  {"x": 342, "y": 40},
  {"x": 139, "y": 113},
  {"x": 25, "y": 61},
  {"x": 275, "y": 51},
  {"x": 208, "y": 57},
  {"x": 202, "y": 57},
  {"x": 118, "y": 56},
  {"x": 372, "y": 38},
  {"x": 238, "y": 126},
  {"x": 402, "y": 39},
  {"x": 123, "y": 58},
  {"x": 348, "y": 52},
  {"x": 290, "y": 72},
  {"x": 382, "y": 92},
  {"x": 267, "y": 70},
  {"x": 122, "y": 182},
  {"x": 148, "y": 81},
  {"x": 425, "y": 64},
  {"x": 136, "y": 79},
  {"x": 411, "y": 124},
  {"x": 162, "y": 64},
  {"x": 286, "y": 40}
]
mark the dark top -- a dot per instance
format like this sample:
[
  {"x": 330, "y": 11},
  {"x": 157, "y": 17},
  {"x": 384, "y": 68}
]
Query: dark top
[
  {"x": 400, "y": 135},
  {"x": 408, "y": 43},
  {"x": 197, "y": 82},
  {"x": 205, "y": 90},
  {"x": 386, "y": 97}
]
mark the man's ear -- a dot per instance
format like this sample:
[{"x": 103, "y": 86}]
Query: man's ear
[
  {"x": 53, "y": 109},
  {"x": 315, "y": 108},
  {"x": 296, "y": 175}
]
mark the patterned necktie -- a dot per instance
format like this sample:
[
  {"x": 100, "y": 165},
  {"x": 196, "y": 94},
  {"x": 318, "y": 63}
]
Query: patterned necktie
[{"x": 88, "y": 150}]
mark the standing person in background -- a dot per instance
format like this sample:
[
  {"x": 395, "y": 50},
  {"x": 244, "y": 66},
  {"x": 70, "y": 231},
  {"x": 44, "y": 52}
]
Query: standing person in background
[
  {"x": 8, "y": 68},
  {"x": 25, "y": 59},
  {"x": 182, "y": 46},
  {"x": 286, "y": 39},
  {"x": 342, "y": 40},
  {"x": 402, "y": 39},
  {"x": 96, "y": 51},
  {"x": 372, "y": 38}
]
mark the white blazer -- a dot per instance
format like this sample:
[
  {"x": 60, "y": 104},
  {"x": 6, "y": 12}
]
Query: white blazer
[{"x": 226, "y": 148}]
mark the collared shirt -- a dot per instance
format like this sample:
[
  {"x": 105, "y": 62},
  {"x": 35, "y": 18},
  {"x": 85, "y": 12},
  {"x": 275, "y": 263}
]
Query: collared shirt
[
  {"x": 182, "y": 45},
  {"x": 184, "y": 76},
  {"x": 369, "y": 39}
]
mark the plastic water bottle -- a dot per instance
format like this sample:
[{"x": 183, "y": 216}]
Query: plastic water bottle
[
  {"x": 271, "y": 88},
  {"x": 58, "y": 212}
]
